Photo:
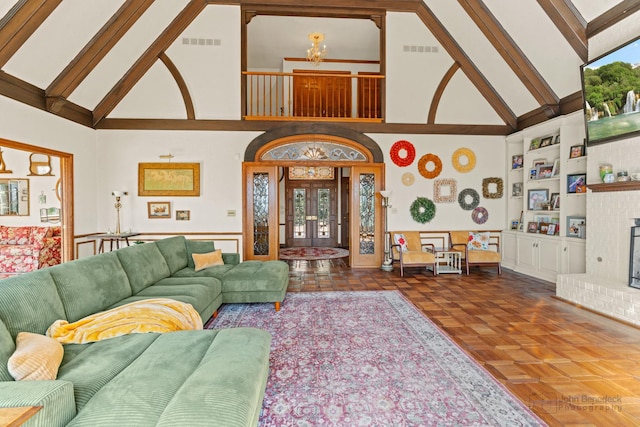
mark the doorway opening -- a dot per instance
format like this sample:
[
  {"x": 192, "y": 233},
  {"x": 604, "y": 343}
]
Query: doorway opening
[{"x": 311, "y": 207}]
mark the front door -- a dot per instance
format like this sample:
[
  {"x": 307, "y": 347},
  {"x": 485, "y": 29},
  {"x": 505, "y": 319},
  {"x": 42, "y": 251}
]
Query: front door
[{"x": 312, "y": 210}]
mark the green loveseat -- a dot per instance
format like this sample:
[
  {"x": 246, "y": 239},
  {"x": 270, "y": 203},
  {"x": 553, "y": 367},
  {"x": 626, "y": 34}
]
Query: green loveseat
[{"x": 205, "y": 377}]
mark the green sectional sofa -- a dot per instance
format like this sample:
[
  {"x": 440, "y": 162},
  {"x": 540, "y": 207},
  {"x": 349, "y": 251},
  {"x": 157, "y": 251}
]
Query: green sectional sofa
[{"x": 204, "y": 377}]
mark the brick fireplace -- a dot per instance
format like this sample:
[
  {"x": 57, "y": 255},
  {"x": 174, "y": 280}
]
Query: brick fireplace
[{"x": 610, "y": 215}]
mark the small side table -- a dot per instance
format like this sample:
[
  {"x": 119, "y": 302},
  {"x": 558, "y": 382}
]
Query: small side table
[
  {"x": 448, "y": 261},
  {"x": 17, "y": 416},
  {"x": 117, "y": 238}
]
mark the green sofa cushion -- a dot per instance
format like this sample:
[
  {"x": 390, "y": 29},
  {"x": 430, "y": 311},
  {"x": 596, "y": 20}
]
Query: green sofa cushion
[
  {"x": 174, "y": 251},
  {"x": 30, "y": 303},
  {"x": 256, "y": 276},
  {"x": 197, "y": 291},
  {"x": 91, "y": 366},
  {"x": 55, "y": 397},
  {"x": 89, "y": 285},
  {"x": 217, "y": 271},
  {"x": 144, "y": 265},
  {"x": 7, "y": 347},
  {"x": 155, "y": 390},
  {"x": 198, "y": 247}
]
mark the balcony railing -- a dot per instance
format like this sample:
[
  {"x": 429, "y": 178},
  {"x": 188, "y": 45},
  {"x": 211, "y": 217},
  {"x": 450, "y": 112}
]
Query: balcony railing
[{"x": 331, "y": 96}]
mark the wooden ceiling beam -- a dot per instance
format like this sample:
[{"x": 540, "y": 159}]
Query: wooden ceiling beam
[
  {"x": 24, "y": 92},
  {"x": 611, "y": 17},
  {"x": 467, "y": 66},
  {"x": 569, "y": 104},
  {"x": 97, "y": 48},
  {"x": 20, "y": 23},
  {"x": 570, "y": 23},
  {"x": 511, "y": 53},
  {"x": 148, "y": 58},
  {"x": 264, "y": 125},
  {"x": 316, "y": 8}
]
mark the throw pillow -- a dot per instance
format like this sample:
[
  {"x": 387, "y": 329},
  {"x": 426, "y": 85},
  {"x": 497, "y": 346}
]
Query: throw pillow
[
  {"x": 210, "y": 259},
  {"x": 399, "y": 239},
  {"x": 37, "y": 357},
  {"x": 478, "y": 241},
  {"x": 198, "y": 247}
]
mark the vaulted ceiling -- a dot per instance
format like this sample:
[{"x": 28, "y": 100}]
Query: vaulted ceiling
[{"x": 79, "y": 59}]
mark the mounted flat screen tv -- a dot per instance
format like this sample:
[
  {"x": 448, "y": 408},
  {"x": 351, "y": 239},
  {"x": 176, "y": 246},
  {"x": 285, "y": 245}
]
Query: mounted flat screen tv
[{"x": 611, "y": 93}]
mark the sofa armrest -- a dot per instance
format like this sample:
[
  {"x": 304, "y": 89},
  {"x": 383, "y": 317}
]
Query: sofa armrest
[
  {"x": 55, "y": 397},
  {"x": 231, "y": 258}
]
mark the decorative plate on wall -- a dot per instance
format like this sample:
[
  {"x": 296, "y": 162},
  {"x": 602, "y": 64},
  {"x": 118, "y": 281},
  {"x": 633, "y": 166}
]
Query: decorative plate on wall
[{"x": 408, "y": 179}]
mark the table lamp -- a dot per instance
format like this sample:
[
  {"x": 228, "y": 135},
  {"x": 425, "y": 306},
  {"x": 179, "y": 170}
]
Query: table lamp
[{"x": 118, "y": 205}]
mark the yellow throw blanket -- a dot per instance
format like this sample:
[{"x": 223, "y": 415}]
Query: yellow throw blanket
[{"x": 151, "y": 315}]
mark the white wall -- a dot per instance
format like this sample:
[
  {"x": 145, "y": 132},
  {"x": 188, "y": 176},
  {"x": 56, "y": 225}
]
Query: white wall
[
  {"x": 21, "y": 123},
  {"x": 610, "y": 215},
  {"x": 220, "y": 155},
  {"x": 412, "y": 79},
  {"x": 489, "y": 152}
]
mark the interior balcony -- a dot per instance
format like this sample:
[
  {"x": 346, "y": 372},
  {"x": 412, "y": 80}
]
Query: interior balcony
[{"x": 314, "y": 96}]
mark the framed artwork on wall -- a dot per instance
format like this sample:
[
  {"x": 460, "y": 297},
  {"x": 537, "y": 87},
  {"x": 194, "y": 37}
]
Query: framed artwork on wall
[
  {"x": 168, "y": 179},
  {"x": 158, "y": 210}
]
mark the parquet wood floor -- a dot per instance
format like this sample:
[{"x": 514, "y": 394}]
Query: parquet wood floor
[{"x": 572, "y": 367}]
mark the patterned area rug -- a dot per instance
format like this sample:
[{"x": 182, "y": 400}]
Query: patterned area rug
[
  {"x": 312, "y": 253},
  {"x": 369, "y": 359}
]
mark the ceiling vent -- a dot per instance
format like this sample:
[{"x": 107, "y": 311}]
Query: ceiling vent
[
  {"x": 420, "y": 49},
  {"x": 201, "y": 41}
]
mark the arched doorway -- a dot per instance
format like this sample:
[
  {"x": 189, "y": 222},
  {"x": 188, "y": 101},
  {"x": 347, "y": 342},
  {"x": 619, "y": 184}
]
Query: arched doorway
[{"x": 279, "y": 208}]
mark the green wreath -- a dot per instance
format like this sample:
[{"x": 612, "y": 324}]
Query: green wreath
[{"x": 422, "y": 210}]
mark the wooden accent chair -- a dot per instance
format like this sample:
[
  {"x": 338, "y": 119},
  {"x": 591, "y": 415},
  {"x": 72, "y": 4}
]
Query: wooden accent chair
[
  {"x": 414, "y": 255},
  {"x": 481, "y": 255}
]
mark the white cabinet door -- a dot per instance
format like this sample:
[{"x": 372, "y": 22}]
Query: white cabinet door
[
  {"x": 527, "y": 254},
  {"x": 509, "y": 249},
  {"x": 549, "y": 259},
  {"x": 574, "y": 258}
]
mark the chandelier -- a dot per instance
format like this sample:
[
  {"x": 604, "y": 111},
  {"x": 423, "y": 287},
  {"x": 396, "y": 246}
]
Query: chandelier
[{"x": 314, "y": 54}]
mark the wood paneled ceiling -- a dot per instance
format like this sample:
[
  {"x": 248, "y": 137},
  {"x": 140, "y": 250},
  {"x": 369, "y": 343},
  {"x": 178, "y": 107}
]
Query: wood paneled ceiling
[{"x": 522, "y": 56}]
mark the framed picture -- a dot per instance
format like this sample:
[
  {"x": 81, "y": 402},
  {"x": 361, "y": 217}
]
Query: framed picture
[
  {"x": 547, "y": 141},
  {"x": 577, "y": 183},
  {"x": 183, "y": 215},
  {"x": 538, "y": 162},
  {"x": 159, "y": 210},
  {"x": 556, "y": 167},
  {"x": 576, "y": 151},
  {"x": 168, "y": 179},
  {"x": 536, "y": 198},
  {"x": 535, "y": 144},
  {"x": 543, "y": 228},
  {"x": 576, "y": 226},
  {"x": 516, "y": 189},
  {"x": 517, "y": 161},
  {"x": 556, "y": 140},
  {"x": 533, "y": 173},
  {"x": 544, "y": 171},
  {"x": 555, "y": 201},
  {"x": 552, "y": 229},
  {"x": 532, "y": 227}
]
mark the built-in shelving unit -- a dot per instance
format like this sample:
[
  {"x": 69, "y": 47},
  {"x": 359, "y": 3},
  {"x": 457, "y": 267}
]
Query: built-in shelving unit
[{"x": 540, "y": 254}]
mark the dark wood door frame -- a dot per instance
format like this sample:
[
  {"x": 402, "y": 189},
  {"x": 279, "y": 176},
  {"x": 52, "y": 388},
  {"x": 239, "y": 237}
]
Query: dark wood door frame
[{"x": 66, "y": 187}]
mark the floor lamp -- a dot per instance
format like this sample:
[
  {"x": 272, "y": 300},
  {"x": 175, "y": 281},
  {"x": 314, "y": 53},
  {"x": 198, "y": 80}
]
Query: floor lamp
[{"x": 387, "y": 264}]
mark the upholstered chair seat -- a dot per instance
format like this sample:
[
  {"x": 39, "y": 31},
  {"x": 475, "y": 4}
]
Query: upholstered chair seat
[
  {"x": 407, "y": 248},
  {"x": 476, "y": 249}
]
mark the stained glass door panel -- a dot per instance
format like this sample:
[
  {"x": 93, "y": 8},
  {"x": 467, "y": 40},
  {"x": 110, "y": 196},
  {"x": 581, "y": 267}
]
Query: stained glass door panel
[{"x": 312, "y": 211}]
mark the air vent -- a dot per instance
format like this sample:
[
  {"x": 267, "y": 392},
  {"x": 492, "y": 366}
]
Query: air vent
[
  {"x": 201, "y": 41},
  {"x": 420, "y": 49}
]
